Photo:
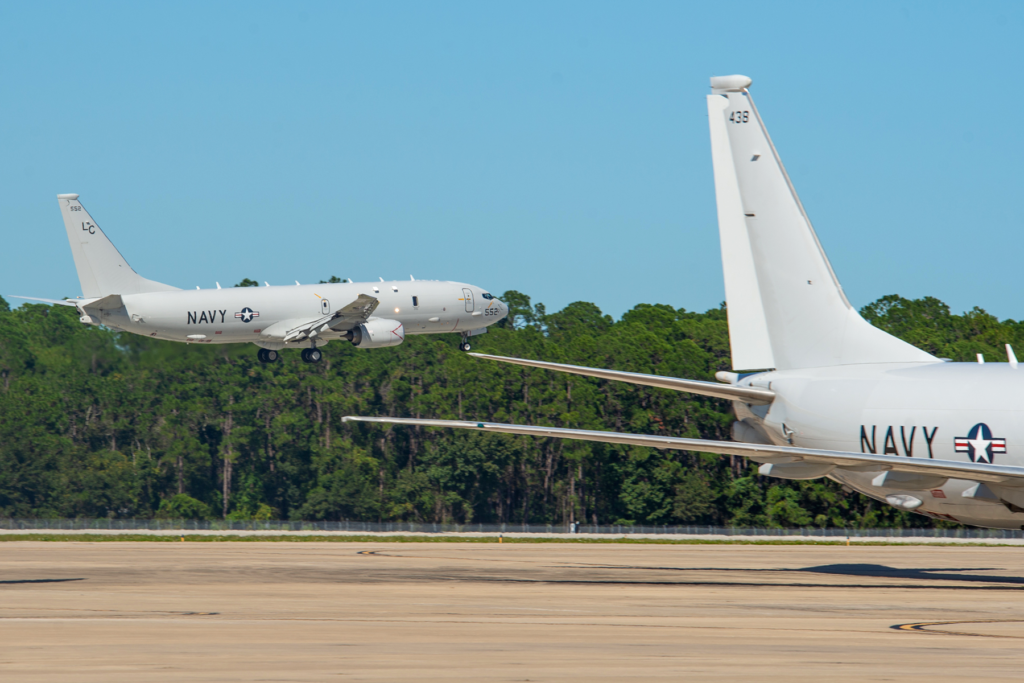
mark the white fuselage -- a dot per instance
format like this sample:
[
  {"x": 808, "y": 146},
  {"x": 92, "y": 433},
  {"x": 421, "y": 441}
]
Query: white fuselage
[
  {"x": 259, "y": 314},
  {"x": 920, "y": 410}
]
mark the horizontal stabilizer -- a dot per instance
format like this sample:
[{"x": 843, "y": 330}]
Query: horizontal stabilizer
[
  {"x": 58, "y": 302},
  {"x": 110, "y": 302},
  {"x": 751, "y": 395},
  {"x": 859, "y": 462}
]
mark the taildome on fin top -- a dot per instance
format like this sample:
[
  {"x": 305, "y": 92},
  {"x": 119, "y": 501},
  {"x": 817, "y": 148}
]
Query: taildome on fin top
[
  {"x": 101, "y": 268},
  {"x": 786, "y": 308}
]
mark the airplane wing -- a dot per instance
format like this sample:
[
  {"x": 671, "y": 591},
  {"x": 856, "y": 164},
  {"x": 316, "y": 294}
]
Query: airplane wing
[
  {"x": 344, "y": 318},
  {"x": 751, "y": 395},
  {"x": 994, "y": 474}
]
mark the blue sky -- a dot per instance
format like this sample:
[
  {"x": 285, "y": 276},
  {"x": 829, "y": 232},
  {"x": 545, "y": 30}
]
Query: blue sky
[{"x": 560, "y": 149}]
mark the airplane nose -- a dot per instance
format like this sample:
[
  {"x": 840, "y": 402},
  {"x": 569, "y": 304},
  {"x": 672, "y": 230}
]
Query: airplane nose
[{"x": 503, "y": 308}]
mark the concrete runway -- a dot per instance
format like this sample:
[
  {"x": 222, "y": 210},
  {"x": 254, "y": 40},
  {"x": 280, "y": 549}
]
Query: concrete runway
[{"x": 510, "y": 612}]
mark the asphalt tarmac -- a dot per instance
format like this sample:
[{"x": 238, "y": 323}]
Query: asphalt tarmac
[{"x": 201, "y": 611}]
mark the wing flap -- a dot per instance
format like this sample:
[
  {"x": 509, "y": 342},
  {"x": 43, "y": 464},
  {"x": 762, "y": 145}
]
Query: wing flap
[
  {"x": 996, "y": 474},
  {"x": 751, "y": 395},
  {"x": 344, "y": 318}
]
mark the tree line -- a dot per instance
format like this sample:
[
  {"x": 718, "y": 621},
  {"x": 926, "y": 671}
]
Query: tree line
[{"x": 96, "y": 423}]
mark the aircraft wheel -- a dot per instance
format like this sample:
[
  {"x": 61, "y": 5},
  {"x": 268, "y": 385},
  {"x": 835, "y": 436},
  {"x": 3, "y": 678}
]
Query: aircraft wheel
[
  {"x": 464, "y": 346},
  {"x": 271, "y": 355},
  {"x": 261, "y": 355},
  {"x": 315, "y": 355}
]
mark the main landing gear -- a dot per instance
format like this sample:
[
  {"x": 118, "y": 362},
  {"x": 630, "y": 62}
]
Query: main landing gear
[{"x": 313, "y": 355}]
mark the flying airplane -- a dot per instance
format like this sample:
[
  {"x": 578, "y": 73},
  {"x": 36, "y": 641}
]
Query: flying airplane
[
  {"x": 817, "y": 391},
  {"x": 367, "y": 314}
]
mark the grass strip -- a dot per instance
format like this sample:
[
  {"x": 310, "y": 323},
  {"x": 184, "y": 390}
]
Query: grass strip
[{"x": 187, "y": 538}]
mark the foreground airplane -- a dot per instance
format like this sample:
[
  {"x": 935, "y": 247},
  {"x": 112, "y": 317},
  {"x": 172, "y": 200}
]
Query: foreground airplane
[
  {"x": 822, "y": 392},
  {"x": 369, "y": 315}
]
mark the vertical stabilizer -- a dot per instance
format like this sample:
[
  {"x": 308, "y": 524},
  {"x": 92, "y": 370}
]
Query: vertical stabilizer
[
  {"x": 748, "y": 332},
  {"x": 101, "y": 268},
  {"x": 773, "y": 260}
]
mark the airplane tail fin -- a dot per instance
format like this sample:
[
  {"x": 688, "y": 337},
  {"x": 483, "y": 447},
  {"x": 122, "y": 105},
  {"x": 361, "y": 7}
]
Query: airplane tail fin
[
  {"x": 786, "y": 308},
  {"x": 101, "y": 268}
]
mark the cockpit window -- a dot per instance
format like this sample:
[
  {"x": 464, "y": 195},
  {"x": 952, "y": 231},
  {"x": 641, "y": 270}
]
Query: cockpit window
[{"x": 487, "y": 296}]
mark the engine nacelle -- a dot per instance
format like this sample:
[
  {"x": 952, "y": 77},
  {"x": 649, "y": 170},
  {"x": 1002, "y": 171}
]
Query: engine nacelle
[{"x": 375, "y": 334}]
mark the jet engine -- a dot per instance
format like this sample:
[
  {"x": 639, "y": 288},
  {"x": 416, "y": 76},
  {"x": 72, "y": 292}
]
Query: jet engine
[{"x": 375, "y": 334}]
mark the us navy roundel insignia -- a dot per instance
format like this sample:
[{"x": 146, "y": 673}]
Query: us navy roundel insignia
[
  {"x": 247, "y": 314},
  {"x": 980, "y": 445}
]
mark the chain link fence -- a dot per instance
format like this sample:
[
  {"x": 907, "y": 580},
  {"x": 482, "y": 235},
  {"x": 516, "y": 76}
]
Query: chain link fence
[{"x": 105, "y": 524}]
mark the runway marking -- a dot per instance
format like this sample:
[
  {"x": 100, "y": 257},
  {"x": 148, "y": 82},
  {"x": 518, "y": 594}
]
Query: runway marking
[{"x": 922, "y": 627}]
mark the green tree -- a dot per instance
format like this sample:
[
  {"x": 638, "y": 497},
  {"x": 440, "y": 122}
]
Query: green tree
[
  {"x": 181, "y": 506},
  {"x": 98, "y": 423}
]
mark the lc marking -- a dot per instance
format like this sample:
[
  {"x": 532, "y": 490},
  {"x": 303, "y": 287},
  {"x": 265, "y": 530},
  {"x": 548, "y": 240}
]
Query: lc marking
[
  {"x": 889, "y": 447},
  {"x": 202, "y": 317}
]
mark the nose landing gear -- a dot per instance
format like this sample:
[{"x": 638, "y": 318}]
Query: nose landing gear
[
  {"x": 267, "y": 355},
  {"x": 464, "y": 346},
  {"x": 313, "y": 355}
]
